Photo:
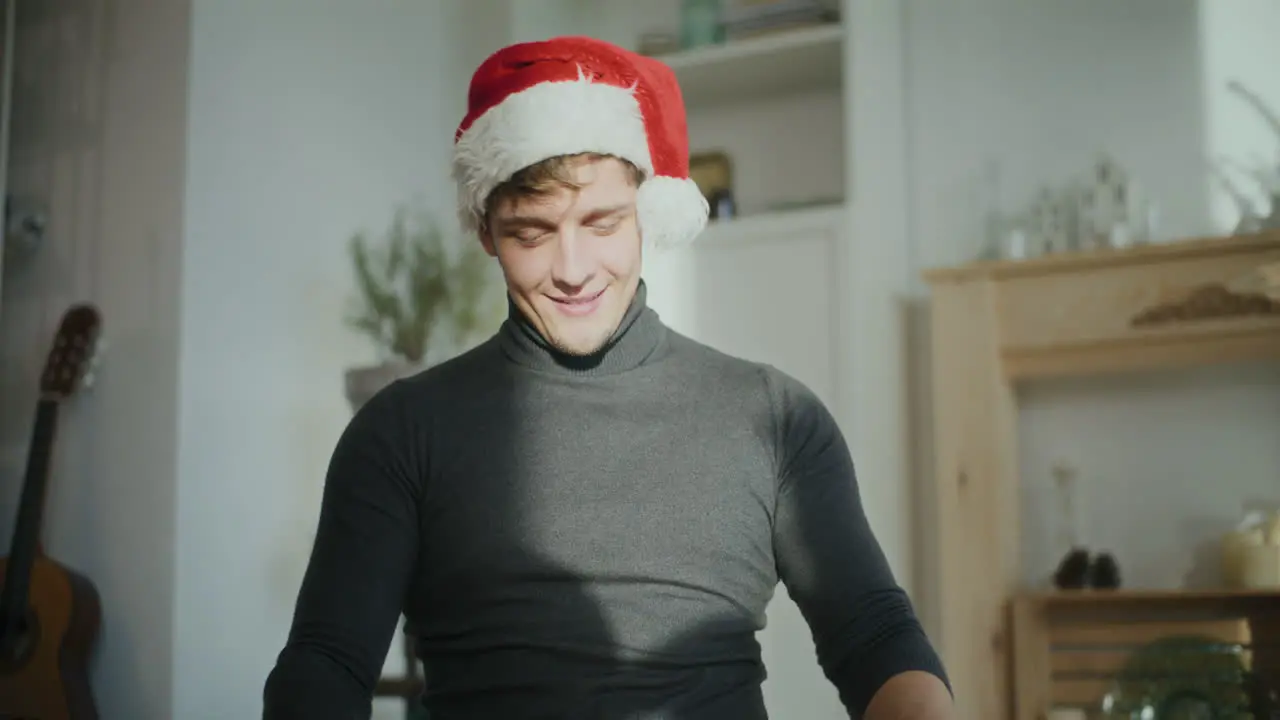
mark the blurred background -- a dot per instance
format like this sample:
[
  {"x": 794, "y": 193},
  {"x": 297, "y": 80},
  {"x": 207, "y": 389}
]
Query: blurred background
[{"x": 1091, "y": 364}]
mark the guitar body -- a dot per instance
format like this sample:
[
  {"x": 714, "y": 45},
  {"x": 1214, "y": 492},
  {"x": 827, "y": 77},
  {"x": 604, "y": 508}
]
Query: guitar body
[{"x": 46, "y": 676}]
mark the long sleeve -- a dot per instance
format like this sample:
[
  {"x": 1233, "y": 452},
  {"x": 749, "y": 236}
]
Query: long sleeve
[
  {"x": 863, "y": 625},
  {"x": 355, "y": 584}
]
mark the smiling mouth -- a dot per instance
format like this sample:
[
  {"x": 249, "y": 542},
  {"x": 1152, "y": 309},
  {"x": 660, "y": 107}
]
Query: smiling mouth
[
  {"x": 580, "y": 299},
  {"x": 579, "y": 305}
]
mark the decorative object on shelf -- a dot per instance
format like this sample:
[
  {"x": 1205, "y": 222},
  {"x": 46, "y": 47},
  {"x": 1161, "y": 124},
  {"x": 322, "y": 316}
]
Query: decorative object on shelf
[
  {"x": 1268, "y": 174},
  {"x": 723, "y": 206},
  {"x": 654, "y": 44},
  {"x": 1264, "y": 279},
  {"x": 1153, "y": 654},
  {"x": 1004, "y": 236},
  {"x": 1107, "y": 211},
  {"x": 712, "y": 172},
  {"x": 993, "y": 218},
  {"x": 1210, "y": 301},
  {"x": 1251, "y": 552},
  {"x": 1269, "y": 116},
  {"x": 1115, "y": 213},
  {"x": 743, "y": 19},
  {"x": 418, "y": 298},
  {"x": 1104, "y": 572},
  {"x": 1251, "y": 216},
  {"x": 1072, "y": 572},
  {"x": 1048, "y": 222},
  {"x": 1267, "y": 177},
  {"x": 1180, "y": 677},
  {"x": 700, "y": 23},
  {"x": 1079, "y": 568}
]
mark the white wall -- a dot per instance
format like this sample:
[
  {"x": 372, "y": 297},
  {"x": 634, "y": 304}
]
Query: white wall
[
  {"x": 1238, "y": 42},
  {"x": 98, "y": 132},
  {"x": 308, "y": 122}
]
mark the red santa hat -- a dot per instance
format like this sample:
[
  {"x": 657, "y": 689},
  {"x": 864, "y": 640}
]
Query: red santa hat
[{"x": 573, "y": 95}]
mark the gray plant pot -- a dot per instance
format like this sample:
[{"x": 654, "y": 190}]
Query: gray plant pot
[{"x": 362, "y": 383}]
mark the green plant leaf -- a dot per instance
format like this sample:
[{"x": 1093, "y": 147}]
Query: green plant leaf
[{"x": 415, "y": 289}]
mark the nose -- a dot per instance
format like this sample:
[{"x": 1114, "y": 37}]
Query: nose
[{"x": 573, "y": 266}]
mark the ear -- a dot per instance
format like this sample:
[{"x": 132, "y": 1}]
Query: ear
[{"x": 486, "y": 241}]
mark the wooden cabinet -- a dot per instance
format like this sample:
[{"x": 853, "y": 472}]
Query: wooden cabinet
[{"x": 995, "y": 324}]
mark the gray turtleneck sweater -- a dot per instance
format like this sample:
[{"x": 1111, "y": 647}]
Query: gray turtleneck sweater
[{"x": 590, "y": 538}]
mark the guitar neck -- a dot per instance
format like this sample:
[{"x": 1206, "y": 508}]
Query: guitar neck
[{"x": 26, "y": 532}]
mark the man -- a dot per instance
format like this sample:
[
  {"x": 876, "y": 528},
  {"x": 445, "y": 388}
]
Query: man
[{"x": 586, "y": 516}]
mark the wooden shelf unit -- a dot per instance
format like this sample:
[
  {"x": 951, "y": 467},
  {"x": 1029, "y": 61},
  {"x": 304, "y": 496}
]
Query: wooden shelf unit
[
  {"x": 999, "y": 323},
  {"x": 1067, "y": 646}
]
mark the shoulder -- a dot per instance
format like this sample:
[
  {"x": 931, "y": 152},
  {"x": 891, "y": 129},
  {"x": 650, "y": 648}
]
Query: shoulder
[
  {"x": 785, "y": 394},
  {"x": 407, "y": 407},
  {"x": 460, "y": 374},
  {"x": 789, "y": 407},
  {"x": 709, "y": 364}
]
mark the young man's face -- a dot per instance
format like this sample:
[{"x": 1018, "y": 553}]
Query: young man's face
[{"x": 572, "y": 258}]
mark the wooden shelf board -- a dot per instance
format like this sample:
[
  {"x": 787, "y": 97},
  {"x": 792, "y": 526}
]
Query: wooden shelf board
[
  {"x": 1067, "y": 598},
  {"x": 785, "y": 62},
  {"x": 1264, "y": 279},
  {"x": 1084, "y": 260},
  {"x": 1188, "y": 344},
  {"x": 774, "y": 225}
]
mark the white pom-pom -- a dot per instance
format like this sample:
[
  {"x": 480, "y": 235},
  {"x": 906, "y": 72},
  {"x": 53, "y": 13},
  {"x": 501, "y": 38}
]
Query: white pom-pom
[{"x": 672, "y": 211}]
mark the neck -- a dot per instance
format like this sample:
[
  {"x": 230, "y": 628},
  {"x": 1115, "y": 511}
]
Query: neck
[{"x": 639, "y": 339}]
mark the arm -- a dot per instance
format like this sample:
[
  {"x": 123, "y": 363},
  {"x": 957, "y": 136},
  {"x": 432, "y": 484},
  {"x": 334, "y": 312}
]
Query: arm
[
  {"x": 354, "y": 588},
  {"x": 869, "y": 642}
]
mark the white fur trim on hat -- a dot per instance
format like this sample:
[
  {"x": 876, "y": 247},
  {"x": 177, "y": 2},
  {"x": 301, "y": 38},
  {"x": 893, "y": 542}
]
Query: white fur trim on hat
[
  {"x": 569, "y": 118},
  {"x": 546, "y": 120}
]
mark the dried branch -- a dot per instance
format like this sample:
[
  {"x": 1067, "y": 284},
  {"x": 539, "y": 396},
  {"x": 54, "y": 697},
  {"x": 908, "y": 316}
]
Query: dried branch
[{"x": 414, "y": 291}]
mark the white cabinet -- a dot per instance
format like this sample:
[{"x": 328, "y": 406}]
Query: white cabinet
[{"x": 761, "y": 289}]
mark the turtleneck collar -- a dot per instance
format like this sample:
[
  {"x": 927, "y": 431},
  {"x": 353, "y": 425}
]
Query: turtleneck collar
[{"x": 640, "y": 338}]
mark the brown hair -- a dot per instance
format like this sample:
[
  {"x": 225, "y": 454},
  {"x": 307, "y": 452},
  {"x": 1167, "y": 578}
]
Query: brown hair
[{"x": 545, "y": 177}]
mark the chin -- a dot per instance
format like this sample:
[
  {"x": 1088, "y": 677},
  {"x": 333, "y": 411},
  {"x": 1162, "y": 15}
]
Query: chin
[
  {"x": 580, "y": 347},
  {"x": 584, "y": 336}
]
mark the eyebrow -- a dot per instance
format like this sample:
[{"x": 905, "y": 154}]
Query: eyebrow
[
  {"x": 604, "y": 212},
  {"x": 516, "y": 222}
]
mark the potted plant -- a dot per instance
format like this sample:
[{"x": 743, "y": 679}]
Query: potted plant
[{"x": 419, "y": 297}]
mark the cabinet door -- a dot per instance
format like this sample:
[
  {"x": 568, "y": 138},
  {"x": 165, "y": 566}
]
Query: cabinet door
[{"x": 771, "y": 300}]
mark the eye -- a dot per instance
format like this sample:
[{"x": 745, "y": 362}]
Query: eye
[
  {"x": 606, "y": 227},
  {"x": 530, "y": 236}
]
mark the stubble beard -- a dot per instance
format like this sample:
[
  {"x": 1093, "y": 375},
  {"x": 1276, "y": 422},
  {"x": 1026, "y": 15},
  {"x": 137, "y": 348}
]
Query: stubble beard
[{"x": 586, "y": 349}]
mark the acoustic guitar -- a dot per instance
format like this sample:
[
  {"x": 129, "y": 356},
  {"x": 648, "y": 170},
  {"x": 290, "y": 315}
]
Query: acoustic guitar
[{"x": 49, "y": 615}]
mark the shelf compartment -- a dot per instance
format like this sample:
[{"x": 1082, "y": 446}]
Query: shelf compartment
[
  {"x": 980, "y": 352},
  {"x": 786, "y": 62},
  {"x": 775, "y": 225},
  {"x": 1150, "y": 307},
  {"x": 1068, "y": 646}
]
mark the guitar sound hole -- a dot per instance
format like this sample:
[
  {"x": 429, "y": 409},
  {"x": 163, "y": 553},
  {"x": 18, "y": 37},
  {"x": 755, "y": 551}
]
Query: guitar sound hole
[{"x": 17, "y": 647}]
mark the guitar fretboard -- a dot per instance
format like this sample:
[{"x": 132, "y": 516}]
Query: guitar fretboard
[{"x": 26, "y": 531}]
